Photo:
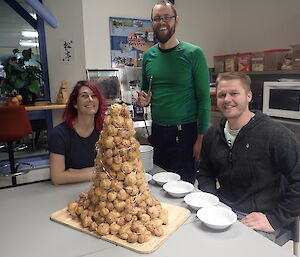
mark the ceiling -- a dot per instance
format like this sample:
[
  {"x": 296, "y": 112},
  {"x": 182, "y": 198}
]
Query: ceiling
[{"x": 11, "y": 25}]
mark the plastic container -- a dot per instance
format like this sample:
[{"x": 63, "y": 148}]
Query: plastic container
[
  {"x": 287, "y": 63},
  {"x": 230, "y": 62},
  {"x": 244, "y": 62},
  {"x": 147, "y": 157},
  {"x": 219, "y": 63},
  {"x": 257, "y": 61},
  {"x": 296, "y": 56},
  {"x": 273, "y": 58}
]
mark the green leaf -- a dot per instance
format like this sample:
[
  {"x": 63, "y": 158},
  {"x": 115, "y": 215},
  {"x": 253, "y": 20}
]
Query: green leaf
[
  {"x": 34, "y": 87},
  {"x": 19, "y": 83},
  {"x": 26, "y": 54},
  {"x": 20, "y": 76},
  {"x": 16, "y": 51}
]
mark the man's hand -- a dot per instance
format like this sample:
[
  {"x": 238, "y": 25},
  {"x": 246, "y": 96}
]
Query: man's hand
[
  {"x": 257, "y": 221},
  {"x": 143, "y": 98},
  {"x": 197, "y": 147}
]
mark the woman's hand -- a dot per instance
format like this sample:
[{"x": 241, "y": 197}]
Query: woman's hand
[{"x": 61, "y": 176}]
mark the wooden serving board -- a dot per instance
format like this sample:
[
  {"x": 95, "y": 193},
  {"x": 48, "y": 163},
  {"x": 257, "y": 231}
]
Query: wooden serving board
[{"x": 176, "y": 215}]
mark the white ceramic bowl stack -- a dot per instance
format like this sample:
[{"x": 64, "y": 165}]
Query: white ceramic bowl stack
[
  {"x": 164, "y": 177},
  {"x": 147, "y": 156},
  {"x": 178, "y": 188}
]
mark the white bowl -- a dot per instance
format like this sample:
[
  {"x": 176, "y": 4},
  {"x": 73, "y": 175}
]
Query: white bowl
[
  {"x": 216, "y": 217},
  {"x": 148, "y": 177},
  {"x": 178, "y": 188},
  {"x": 164, "y": 177},
  {"x": 199, "y": 200}
]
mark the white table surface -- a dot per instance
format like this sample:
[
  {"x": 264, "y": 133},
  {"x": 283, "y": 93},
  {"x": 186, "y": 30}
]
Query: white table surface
[{"x": 27, "y": 231}]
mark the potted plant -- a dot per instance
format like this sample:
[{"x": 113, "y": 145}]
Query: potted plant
[{"x": 22, "y": 78}]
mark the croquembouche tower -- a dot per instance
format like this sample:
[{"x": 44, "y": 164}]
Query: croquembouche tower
[{"x": 119, "y": 201}]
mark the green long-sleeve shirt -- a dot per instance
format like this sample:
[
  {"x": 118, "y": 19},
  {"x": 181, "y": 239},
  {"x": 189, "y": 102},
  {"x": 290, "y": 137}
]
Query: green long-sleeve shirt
[{"x": 180, "y": 85}]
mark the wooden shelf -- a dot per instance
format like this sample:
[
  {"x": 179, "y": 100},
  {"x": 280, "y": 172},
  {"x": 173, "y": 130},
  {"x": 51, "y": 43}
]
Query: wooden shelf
[
  {"x": 275, "y": 72},
  {"x": 47, "y": 106}
]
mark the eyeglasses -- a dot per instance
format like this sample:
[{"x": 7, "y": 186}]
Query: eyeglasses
[{"x": 163, "y": 18}]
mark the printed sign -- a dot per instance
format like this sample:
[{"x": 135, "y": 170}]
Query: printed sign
[{"x": 67, "y": 51}]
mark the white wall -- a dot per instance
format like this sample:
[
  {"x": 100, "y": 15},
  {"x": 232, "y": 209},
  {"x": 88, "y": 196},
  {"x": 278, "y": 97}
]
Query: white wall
[
  {"x": 219, "y": 27},
  {"x": 230, "y": 26},
  {"x": 69, "y": 17},
  {"x": 96, "y": 26},
  {"x": 204, "y": 23},
  {"x": 264, "y": 24}
]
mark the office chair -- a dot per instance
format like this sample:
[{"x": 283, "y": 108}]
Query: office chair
[
  {"x": 291, "y": 232},
  {"x": 14, "y": 125}
]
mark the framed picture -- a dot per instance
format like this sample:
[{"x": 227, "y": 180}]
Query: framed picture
[{"x": 129, "y": 39}]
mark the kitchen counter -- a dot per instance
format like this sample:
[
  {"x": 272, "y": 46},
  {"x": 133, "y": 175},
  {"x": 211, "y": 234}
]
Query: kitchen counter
[{"x": 27, "y": 231}]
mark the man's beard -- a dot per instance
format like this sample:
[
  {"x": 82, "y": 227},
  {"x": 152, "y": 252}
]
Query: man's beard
[{"x": 165, "y": 38}]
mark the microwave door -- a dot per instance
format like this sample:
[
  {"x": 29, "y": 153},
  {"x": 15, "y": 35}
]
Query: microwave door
[{"x": 284, "y": 99}]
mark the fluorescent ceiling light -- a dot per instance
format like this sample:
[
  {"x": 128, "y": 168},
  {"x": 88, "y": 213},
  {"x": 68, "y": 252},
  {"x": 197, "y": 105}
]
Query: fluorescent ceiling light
[
  {"x": 30, "y": 34},
  {"x": 28, "y": 43}
]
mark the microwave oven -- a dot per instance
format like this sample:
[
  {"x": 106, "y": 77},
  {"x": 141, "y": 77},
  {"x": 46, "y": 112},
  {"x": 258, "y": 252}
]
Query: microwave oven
[{"x": 282, "y": 99}]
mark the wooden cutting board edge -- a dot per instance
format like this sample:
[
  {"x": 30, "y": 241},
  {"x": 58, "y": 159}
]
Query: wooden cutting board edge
[{"x": 177, "y": 216}]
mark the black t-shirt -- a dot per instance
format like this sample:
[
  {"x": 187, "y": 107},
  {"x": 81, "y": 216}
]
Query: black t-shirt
[{"x": 79, "y": 152}]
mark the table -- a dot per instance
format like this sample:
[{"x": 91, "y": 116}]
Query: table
[{"x": 27, "y": 231}]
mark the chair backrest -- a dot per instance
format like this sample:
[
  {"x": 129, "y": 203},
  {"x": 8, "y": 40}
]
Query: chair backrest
[{"x": 14, "y": 123}]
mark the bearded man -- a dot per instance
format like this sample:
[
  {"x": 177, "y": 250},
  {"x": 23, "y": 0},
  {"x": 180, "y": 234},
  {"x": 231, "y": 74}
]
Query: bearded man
[{"x": 176, "y": 83}]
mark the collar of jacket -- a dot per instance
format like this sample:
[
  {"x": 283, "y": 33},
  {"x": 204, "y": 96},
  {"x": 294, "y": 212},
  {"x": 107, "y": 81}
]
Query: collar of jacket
[{"x": 258, "y": 117}]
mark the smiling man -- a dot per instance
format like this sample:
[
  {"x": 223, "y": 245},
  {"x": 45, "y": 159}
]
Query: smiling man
[
  {"x": 176, "y": 79},
  {"x": 255, "y": 160}
]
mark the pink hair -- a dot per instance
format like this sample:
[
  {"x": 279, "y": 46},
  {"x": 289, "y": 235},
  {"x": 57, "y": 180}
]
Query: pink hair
[{"x": 70, "y": 112}]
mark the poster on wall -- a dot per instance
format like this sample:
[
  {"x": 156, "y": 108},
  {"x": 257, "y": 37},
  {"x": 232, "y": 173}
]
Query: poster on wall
[{"x": 129, "y": 39}]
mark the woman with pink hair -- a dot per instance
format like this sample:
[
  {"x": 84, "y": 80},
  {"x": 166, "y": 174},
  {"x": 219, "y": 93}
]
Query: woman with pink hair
[{"x": 72, "y": 143}]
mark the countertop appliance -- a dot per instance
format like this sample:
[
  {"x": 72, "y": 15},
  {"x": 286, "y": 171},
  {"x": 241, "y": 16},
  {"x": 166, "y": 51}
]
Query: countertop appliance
[
  {"x": 282, "y": 99},
  {"x": 107, "y": 81},
  {"x": 119, "y": 85}
]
